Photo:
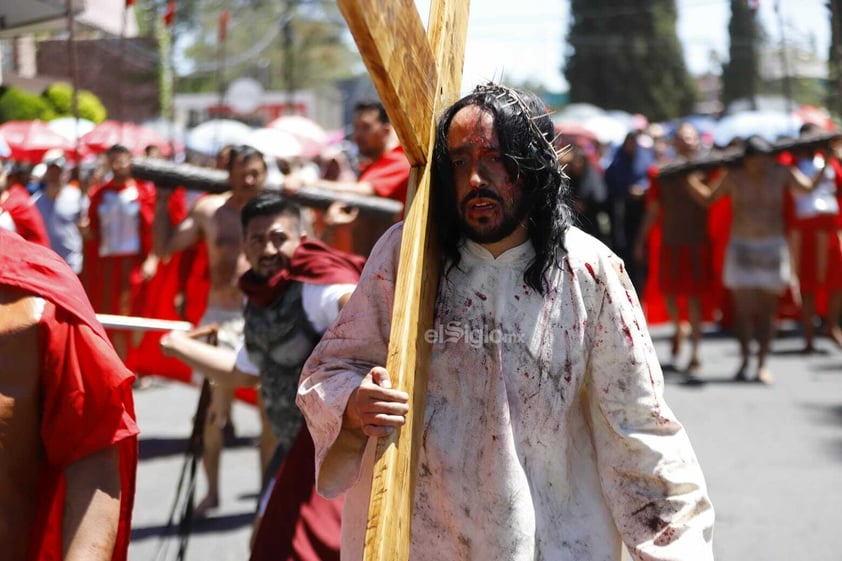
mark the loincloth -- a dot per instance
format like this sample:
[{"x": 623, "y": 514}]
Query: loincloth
[{"x": 757, "y": 263}]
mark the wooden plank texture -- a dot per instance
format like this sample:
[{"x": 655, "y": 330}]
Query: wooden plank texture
[
  {"x": 391, "y": 39},
  {"x": 393, "y": 485},
  {"x": 171, "y": 175}
]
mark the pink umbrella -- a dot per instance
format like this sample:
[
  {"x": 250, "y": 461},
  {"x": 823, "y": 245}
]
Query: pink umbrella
[
  {"x": 815, "y": 115},
  {"x": 574, "y": 132},
  {"x": 310, "y": 134},
  {"x": 134, "y": 137},
  {"x": 30, "y": 140}
]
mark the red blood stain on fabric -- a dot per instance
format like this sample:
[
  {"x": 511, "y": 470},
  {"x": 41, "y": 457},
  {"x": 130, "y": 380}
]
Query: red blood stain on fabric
[{"x": 591, "y": 271}]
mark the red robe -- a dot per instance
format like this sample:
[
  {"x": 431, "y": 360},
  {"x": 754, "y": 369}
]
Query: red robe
[
  {"x": 389, "y": 177},
  {"x": 807, "y": 232},
  {"x": 85, "y": 390},
  {"x": 716, "y": 297},
  {"x": 299, "y": 524},
  {"x": 168, "y": 285},
  {"x": 114, "y": 283},
  {"x": 28, "y": 222}
]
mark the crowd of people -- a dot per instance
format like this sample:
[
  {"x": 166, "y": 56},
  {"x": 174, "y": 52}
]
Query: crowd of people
[
  {"x": 539, "y": 240},
  {"x": 703, "y": 258}
]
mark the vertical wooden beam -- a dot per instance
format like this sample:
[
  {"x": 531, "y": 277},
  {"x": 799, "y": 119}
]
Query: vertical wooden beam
[{"x": 415, "y": 74}]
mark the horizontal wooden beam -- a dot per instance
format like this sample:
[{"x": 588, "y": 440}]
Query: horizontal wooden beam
[{"x": 171, "y": 175}]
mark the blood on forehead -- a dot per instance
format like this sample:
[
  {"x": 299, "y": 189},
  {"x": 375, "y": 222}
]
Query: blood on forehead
[{"x": 472, "y": 128}]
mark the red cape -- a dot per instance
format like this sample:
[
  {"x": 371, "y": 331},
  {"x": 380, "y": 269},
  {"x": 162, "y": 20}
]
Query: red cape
[
  {"x": 313, "y": 261},
  {"x": 25, "y": 215},
  {"x": 38, "y": 270},
  {"x": 300, "y": 525},
  {"x": 316, "y": 262}
]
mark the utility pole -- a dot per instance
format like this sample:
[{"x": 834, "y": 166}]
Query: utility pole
[
  {"x": 752, "y": 50},
  {"x": 288, "y": 36},
  {"x": 834, "y": 96},
  {"x": 220, "y": 53},
  {"x": 786, "y": 82},
  {"x": 74, "y": 76}
]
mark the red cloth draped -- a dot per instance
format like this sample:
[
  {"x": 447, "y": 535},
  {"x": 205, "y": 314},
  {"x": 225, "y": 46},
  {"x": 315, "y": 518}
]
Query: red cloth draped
[
  {"x": 313, "y": 262},
  {"x": 86, "y": 390},
  {"x": 115, "y": 284},
  {"x": 804, "y": 234},
  {"x": 716, "y": 301},
  {"x": 28, "y": 222},
  {"x": 389, "y": 177},
  {"x": 168, "y": 286},
  {"x": 299, "y": 524}
]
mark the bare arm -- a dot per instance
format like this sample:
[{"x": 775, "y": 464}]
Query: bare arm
[
  {"x": 706, "y": 194},
  {"x": 801, "y": 182},
  {"x": 215, "y": 363},
  {"x": 168, "y": 239},
  {"x": 92, "y": 506}
]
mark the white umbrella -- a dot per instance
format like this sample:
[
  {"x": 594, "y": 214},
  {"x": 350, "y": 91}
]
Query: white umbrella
[
  {"x": 167, "y": 129},
  {"x": 211, "y": 136},
  {"x": 274, "y": 142},
  {"x": 771, "y": 125},
  {"x": 577, "y": 113},
  {"x": 608, "y": 130},
  {"x": 310, "y": 134},
  {"x": 71, "y": 128}
]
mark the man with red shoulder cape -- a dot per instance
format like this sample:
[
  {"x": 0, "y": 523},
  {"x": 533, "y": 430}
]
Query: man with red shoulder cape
[
  {"x": 294, "y": 290},
  {"x": 69, "y": 436},
  {"x": 118, "y": 259}
]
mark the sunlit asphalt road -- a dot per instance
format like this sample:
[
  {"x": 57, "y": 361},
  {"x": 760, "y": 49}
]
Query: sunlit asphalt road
[{"x": 772, "y": 456}]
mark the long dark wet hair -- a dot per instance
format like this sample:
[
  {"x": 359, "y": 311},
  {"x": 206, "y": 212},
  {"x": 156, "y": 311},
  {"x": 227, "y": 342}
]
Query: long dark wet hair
[{"x": 525, "y": 133}]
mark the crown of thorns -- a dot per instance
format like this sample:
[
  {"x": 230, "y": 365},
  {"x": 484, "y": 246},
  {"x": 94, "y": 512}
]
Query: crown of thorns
[{"x": 513, "y": 98}]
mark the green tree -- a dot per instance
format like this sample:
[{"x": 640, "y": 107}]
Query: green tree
[
  {"x": 626, "y": 55},
  {"x": 59, "y": 96},
  {"x": 740, "y": 73},
  {"x": 18, "y": 105},
  {"x": 288, "y": 45}
]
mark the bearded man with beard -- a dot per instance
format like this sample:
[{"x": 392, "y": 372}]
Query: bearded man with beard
[
  {"x": 294, "y": 290},
  {"x": 546, "y": 433}
]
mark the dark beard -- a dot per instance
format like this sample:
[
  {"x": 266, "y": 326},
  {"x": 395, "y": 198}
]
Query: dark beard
[{"x": 511, "y": 218}]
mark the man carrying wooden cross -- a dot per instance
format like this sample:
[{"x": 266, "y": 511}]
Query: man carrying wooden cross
[{"x": 545, "y": 433}]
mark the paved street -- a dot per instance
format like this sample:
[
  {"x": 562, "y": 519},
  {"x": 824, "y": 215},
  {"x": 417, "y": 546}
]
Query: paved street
[{"x": 772, "y": 457}]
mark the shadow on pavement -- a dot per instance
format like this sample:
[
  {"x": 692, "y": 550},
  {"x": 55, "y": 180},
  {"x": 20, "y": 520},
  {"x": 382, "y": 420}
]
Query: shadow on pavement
[
  {"x": 150, "y": 448},
  {"x": 158, "y": 447},
  {"x": 827, "y": 368},
  {"x": 799, "y": 352},
  {"x": 201, "y": 526},
  {"x": 829, "y": 415}
]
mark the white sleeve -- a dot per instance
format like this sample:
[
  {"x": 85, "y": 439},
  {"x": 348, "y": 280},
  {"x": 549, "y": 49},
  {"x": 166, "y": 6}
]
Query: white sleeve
[
  {"x": 651, "y": 478},
  {"x": 356, "y": 342},
  {"x": 321, "y": 303},
  {"x": 243, "y": 363}
]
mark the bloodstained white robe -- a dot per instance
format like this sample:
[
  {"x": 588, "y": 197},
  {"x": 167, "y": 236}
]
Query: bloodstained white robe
[{"x": 546, "y": 435}]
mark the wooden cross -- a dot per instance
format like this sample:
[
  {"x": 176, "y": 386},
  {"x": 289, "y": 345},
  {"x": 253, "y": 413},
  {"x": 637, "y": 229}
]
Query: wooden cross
[{"x": 416, "y": 74}]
